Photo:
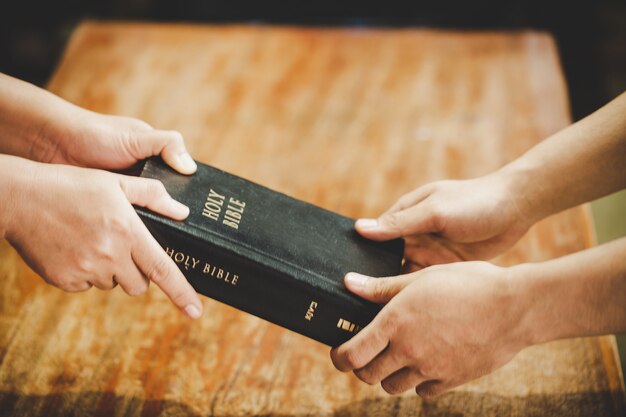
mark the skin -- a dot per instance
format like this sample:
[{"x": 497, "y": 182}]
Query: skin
[
  {"x": 447, "y": 322},
  {"x": 71, "y": 221}
]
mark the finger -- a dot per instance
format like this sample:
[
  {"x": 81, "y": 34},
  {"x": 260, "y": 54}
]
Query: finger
[
  {"x": 416, "y": 219},
  {"x": 427, "y": 250},
  {"x": 412, "y": 198},
  {"x": 152, "y": 194},
  {"x": 105, "y": 283},
  {"x": 376, "y": 290},
  {"x": 132, "y": 281},
  {"x": 362, "y": 348},
  {"x": 160, "y": 269},
  {"x": 383, "y": 365},
  {"x": 487, "y": 249},
  {"x": 77, "y": 287},
  {"x": 402, "y": 380},
  {"x": 431, "y": 389},
  {"x": 167, "y": 143}
]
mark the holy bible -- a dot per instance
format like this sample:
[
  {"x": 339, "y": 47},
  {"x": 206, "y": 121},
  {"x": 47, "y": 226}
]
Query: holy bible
[{"x": 268, "y": 254}]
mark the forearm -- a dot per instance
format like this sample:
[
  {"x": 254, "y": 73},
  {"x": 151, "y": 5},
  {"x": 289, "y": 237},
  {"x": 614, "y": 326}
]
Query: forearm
[
  {"x": 13, "y": 172},
  {"x": 583, "y": 162},
  {"x": 583, "y": 294},
  {"x": 27, "y": 115}
]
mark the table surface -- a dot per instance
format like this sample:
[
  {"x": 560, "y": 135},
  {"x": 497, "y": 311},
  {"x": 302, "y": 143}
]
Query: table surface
[{"x": 349, "y": 119}]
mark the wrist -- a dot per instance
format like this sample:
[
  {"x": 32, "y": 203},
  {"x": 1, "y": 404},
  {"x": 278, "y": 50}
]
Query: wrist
[
  {"x": 541, "y": 320},
  {"x": 524, "y": 191},
  {"x": 31, "y": 120},
  {"x": 14, "y": 174},
  {"x": 54, "y": 125},
  {"x": 520, "y": 330}
]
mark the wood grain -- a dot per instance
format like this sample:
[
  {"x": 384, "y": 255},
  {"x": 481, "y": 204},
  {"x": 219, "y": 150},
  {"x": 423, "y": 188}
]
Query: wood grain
[{"x": 349, "y": 119}]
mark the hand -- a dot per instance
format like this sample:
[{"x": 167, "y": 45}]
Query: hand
[
  {"x": 76, "y": 228},
  {"x": 89, "y": 139},
  {"x": 35, "y": 124},
  {"x": 450, "y": 221},
  {"x": 441, "y": 327}
]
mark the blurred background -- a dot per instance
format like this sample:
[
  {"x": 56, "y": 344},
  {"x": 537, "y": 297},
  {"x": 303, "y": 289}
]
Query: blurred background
[{"x": 591, "y": 36}]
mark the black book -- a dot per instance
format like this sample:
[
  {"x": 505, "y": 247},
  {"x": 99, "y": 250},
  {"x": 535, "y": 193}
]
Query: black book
[{"x": 268, "y": 254}]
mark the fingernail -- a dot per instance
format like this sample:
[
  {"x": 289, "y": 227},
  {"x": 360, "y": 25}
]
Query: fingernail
[
  {"x": 186, "y": 162},
  {"x": 367, "y": 223},
  {"x": 192, "y": 311},
  {"x": 179, "y": 209},
  {"x": 356, "y": 281}
]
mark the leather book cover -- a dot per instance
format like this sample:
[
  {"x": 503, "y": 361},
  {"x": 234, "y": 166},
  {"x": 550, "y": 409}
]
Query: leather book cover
[{"x": 268, "y": 254}]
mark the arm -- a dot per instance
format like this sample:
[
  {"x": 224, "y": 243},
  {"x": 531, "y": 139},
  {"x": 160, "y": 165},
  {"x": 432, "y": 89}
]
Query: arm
[
  {"x": 35, "y": 124},
  {"x": 580, "y": 163},
  {"x": 449, "y": 221},
  {"x": 76, "y": 228},
  {"x": 583, "y": 294},
  {"x": 448, "y": 324}
]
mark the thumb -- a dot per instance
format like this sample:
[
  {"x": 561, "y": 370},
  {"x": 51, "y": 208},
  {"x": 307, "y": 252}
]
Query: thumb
[
  {"x": 377, "y": 290},
  {"x": 416, "y": 219},
  {"x": 167, "y": 143}
]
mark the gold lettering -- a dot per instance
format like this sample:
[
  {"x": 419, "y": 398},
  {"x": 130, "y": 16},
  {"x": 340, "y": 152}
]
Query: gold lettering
[
  {"x": 189, "y": 262},
  {"x": 311, "y": 310},
  {"x": 213, "y": 205},
  {"x": 347, "y": 326},
  {"x": 213, "y": 194},
  {"x": 219, "y": 273},
  {"x": 232, "y": 224},
  {"x": 210, "y": 214},
  {"x": 241, "y": 204},
  {"x": 233, "y": 214},
  {"x": 213, "y": 209}
]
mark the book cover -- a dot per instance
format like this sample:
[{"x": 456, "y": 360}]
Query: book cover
[{"x": 268, "y": 254}]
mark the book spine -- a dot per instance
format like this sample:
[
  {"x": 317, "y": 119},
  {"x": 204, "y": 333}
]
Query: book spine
[{"x": 254, "y": 288}]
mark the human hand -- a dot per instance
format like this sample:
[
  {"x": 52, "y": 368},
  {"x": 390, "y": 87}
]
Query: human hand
[
  {"x": 76, "y": 227},
  {"x": 89, "y": 139},
  {"x": 441, "y": 327},
  {"x": 38, "y": 125},
  {"x": 450, "y": 221}
]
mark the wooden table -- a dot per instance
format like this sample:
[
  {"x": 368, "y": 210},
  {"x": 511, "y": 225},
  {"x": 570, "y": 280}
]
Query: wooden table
[{"x": 349, "y": 119}]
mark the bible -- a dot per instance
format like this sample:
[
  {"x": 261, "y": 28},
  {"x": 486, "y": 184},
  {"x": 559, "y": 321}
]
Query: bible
[{"x": 269, "y": 254}]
